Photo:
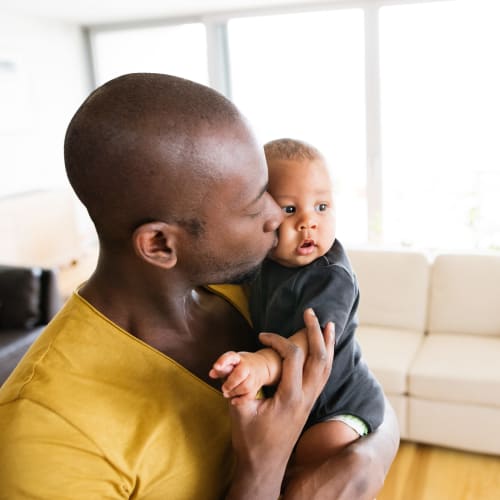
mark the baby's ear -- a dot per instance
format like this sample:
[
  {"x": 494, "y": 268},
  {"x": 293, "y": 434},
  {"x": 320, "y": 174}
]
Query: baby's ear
[{"x": 155, "y": 242}]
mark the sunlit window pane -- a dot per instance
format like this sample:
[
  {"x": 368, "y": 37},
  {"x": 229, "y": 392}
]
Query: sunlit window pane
[
  {"x": 302, "y": 76},
  {"x": 178, "y": 50},
  {"x": 440, "y": 77}
]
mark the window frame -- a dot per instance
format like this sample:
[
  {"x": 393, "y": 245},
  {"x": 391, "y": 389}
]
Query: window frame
[{"x": 219, "y": 73}]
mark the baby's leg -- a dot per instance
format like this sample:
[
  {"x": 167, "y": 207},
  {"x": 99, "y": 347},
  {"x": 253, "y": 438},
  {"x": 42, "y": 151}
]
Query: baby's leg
[{"x": 323, "y": 440}]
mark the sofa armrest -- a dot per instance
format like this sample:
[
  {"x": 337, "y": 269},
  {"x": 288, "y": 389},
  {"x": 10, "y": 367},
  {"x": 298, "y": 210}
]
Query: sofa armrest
[
  {"x": 28, "y": 297},
  {"x": 50, "y": 297}
]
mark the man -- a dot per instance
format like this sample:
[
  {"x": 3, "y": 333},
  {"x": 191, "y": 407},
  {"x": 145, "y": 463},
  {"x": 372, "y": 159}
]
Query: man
[{"x": 114, "y": 399}]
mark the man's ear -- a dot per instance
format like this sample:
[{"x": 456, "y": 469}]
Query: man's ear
[{"x": 156, "y": 243}]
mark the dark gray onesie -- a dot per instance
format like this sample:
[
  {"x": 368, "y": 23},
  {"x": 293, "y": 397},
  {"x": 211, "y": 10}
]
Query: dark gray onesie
[{"x": 278, "y": 298}]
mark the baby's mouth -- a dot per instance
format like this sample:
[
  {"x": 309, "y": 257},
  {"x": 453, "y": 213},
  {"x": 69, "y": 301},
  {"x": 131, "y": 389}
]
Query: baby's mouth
[{"x": 306, "y": 247}]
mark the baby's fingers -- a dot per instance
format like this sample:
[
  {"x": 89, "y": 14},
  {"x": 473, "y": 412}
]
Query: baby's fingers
[
  {"x": 235, "y": 379},
  {"x": 224, "y": 365}
]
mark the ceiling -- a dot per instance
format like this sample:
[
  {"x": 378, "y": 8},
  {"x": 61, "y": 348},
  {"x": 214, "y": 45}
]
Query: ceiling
[{"x": 90, "y": 12}]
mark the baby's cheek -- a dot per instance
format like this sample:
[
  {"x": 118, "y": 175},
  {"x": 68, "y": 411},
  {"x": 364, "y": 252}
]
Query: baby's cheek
[
  {"x": 285, "y": 233},
  {"x": 277, "y": 255},
  {"x": 282, "y": 248}
]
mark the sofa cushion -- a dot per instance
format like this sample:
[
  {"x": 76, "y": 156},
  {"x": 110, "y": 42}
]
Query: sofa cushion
[
  {"x": 19, "y": 297},
  {"x": 457, "y": 425},
  {"x": 13, "y": 346},
  {"x": 457, "y": 368},
  {"x": 399, "y": 404},
  {"x": 393, "y": 288},
  {"x": 465, "y": 295},
  {"x": 389, "y": 352}
]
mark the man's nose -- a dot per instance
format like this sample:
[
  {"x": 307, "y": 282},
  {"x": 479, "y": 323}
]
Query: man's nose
[{"x": 275, "y": 217}]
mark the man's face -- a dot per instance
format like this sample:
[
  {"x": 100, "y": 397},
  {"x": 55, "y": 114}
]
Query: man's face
[
  {"x": 240, "y": 219},
  {"x": 303, "y": 191}
]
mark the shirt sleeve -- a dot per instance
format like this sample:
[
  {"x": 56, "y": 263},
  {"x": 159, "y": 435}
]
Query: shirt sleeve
[
  {"x": 43, "y": 456},
  {"x": 333, "y": 294}
]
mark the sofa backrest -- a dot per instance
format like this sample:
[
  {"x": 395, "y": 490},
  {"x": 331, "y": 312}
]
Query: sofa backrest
[
  {"x": 39, "y": 228},
  {"x": 465, "y": 295},
  {"x": 393, "y": 287},
  {"x": 29, "y": 297}
]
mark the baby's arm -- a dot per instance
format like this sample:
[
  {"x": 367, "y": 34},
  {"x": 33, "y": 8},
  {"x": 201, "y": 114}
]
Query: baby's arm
[{"x": 248, "y": 372}]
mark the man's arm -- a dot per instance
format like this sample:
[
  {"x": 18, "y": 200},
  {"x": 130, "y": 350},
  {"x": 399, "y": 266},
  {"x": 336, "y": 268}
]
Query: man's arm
[
  {"x": 357, "y": 472},
  {"x": 265, "y": 431}
]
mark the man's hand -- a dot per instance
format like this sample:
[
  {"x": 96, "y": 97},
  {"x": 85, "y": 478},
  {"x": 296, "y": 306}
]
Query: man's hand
[{"x": 265, "y": 431}]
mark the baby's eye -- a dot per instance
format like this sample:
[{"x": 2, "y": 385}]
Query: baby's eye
[
  {"x": 289, "y": 209},
  {"x": 321, "y": 207}
]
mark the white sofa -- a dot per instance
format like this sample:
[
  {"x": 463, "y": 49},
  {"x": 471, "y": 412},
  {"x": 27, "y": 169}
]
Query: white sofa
[{"x": 430, "y": 331}]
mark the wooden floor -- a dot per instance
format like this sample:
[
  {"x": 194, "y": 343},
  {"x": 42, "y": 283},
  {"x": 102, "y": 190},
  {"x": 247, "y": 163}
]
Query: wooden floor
[{"x": 422, "y": 472}]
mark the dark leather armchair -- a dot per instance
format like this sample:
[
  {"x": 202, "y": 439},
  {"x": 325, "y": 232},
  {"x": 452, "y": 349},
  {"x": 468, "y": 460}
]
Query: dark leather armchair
[{"x": 29, "y": 298}]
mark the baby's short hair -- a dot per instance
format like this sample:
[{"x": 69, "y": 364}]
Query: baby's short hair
[{"x": 291, "y": 149}]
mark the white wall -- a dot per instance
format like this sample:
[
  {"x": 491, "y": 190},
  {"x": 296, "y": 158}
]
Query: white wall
[{"x": 39, "y": 92}]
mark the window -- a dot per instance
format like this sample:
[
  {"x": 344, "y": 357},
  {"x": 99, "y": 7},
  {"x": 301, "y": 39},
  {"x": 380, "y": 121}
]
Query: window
[
  {"x": 303, "y": 77},
  {"x": 440, "y": 82},
  {"x": 178, "y": 50},
  {"x": 402, "y": 98}
]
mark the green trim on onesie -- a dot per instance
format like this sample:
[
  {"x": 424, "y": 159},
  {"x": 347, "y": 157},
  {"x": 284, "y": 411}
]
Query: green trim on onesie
[{"x": 353, "y": 422}]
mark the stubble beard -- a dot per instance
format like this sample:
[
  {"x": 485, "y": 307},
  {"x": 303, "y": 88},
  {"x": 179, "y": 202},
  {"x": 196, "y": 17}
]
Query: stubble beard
[
  {"x": 222, "y": 274},
  {"x": 245, "y": 277},
  {"x": 217, "y": 272}
]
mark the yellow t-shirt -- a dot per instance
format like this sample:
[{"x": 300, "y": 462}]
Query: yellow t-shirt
[{"x": 93, "y": 412}]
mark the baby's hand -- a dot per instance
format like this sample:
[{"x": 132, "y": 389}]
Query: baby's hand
[
  {"x": 224, "y": 365},
  {"x": 246, "y": 373}
]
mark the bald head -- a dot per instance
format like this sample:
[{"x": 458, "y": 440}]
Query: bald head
[{"x": 146, "y": 147}]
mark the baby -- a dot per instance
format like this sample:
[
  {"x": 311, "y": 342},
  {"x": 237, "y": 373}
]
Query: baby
[{"x": 307, "y": 269}]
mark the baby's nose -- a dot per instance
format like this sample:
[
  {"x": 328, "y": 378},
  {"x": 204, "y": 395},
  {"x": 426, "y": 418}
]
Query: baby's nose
[{"x": 308, "y": 224}]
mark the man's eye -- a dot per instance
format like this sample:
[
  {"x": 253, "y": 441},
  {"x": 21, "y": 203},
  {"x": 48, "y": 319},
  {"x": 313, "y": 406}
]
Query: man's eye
[
  {"x": 289, "y": 209},
  {"x": 321, "y": 207}
]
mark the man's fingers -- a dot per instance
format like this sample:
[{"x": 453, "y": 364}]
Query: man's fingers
[
  {"x": 329, "y": 335},
  {"x": 321, "y": 345},
  {"x": 241, "y": 400},
  {"x": 246, "y": 409},
  {"x": 293, "y": 360},
  {"x": 242, "y": 391}
]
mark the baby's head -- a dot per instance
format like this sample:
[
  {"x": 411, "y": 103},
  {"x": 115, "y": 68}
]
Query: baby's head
[{"x": 300, "y": 184}]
